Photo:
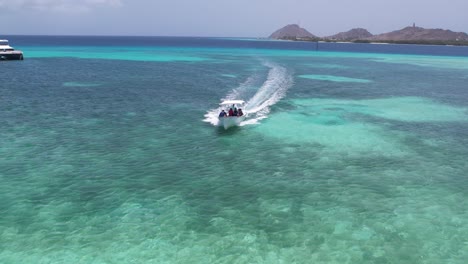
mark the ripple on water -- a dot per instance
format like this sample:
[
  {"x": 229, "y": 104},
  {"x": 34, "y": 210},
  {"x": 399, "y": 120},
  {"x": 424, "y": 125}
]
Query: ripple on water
[
  {"x": 80, "y": 84},
  {"x": 332, "y": 78}
]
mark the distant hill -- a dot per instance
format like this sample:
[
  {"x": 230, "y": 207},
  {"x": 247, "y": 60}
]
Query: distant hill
[
  {"x": 420, "y": 34},
  {"x": 292, "y": 31},
  {"x": 407, "y": 35},
  {"x": 353, "y": 34}
]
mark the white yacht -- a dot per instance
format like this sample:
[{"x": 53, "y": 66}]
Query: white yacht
[
  {"x": 229, "y": 118},
  {"x": 9, "y": 53}
]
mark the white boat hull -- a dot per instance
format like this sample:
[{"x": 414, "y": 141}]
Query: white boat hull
[
  {"x": 230, "y": 121},
  {"x": 11, "y": 55}
]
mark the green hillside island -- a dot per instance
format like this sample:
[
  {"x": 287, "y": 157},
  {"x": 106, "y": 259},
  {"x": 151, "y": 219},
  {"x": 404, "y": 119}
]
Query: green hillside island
[{"x": 407, "y": 35}]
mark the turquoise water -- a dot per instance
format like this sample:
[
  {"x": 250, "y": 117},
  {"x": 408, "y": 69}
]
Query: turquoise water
[{"x": 109, "y": 155}]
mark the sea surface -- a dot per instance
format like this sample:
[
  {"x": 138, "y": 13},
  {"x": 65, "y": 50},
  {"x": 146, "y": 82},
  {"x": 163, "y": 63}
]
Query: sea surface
[{"x": 351, "y": 153}]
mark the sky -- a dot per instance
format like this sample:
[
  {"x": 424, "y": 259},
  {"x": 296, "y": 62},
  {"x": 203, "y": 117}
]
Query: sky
[{"x": 224, "y": 18}]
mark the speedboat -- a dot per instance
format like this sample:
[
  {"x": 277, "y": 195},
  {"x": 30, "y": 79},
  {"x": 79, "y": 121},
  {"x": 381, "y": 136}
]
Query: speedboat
[
  {"x": 231, "y": 120},
  {"x": 9, "y": 53}
]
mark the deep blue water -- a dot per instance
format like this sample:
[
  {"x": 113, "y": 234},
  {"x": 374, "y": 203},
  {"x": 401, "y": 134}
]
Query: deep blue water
[
  {"x": 352, "y": 153},
  {"x": 112, "y": 41}
]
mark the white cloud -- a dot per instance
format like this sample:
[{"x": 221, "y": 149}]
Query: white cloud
[{"x": 58, "y": 5}]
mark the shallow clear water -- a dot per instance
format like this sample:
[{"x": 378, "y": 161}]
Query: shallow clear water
[{"x": 108, "y": 154}]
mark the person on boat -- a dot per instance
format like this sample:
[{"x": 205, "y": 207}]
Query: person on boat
[
  {"x": 222, "y": 114},
  {"x": 239, "y": 112},
  {"x": 231, "y": 112},
  {"x": 235, "y": 112}
]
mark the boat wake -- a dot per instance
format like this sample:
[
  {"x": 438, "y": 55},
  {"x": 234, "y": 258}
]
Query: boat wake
[{"x": 272, "y": 89}]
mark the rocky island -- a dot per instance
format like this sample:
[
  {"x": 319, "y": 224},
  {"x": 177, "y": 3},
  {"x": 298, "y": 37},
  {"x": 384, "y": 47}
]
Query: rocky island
[
  {"x": 293, "y": 32},
  {"x": 351, "y": 35},
  {"x": 419, "y": 35},
  {"x": 407, "y": 35}
]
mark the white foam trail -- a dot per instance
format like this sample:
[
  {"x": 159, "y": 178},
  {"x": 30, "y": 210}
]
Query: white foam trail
[
  {"x": 272, "y": 90},
  {"x": 243, "y": 88}
]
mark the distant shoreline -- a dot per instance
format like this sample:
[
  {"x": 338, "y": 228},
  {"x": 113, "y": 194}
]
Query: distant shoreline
[
  {"x": 24, "y": 40},
  {"x": 397, "y": 42}
]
